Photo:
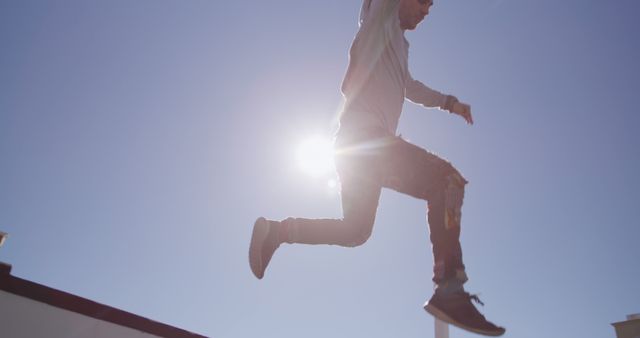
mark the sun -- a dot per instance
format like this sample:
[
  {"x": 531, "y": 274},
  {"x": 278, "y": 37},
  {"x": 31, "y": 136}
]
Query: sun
[{"x": 315, "y": 156}]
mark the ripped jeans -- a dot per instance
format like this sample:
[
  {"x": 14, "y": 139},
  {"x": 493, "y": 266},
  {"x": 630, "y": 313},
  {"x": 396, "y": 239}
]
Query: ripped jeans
[{"x": 366, "y": 162}]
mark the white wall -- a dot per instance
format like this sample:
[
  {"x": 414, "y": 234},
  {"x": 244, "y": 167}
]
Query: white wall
[{"x": 25, "y": 318}]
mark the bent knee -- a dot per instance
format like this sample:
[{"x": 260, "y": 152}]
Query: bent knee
[
  {"x": 358, "y": 234},
  {"x": 454, "y": 178},
  {"x": 358, "y": 240},
  {"x": 454, "y": 196}
]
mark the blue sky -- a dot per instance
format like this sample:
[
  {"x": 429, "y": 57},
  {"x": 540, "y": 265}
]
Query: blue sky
[{"x": 139, "y": 140}]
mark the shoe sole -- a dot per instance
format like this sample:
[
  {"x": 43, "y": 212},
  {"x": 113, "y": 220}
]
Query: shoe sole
[
  {"x": 260, "y": 232},
  {"x": 434, "y": 311}
]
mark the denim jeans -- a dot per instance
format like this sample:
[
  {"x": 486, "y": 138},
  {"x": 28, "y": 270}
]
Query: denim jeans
[{"x": 366, "y": 162}]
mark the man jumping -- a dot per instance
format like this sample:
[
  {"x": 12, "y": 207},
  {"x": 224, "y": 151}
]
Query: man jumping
[{"x": 369, "y": 156}]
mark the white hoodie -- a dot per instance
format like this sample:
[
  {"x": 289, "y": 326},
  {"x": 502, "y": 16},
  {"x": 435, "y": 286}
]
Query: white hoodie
[{"x": 378, "y": 79}]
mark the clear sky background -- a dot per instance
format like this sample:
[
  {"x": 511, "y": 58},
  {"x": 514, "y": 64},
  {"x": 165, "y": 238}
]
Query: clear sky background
[{"x": 139, "y": 140}]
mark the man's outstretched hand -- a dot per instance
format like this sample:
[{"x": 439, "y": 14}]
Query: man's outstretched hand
[
  {"x": 454, "y": 106},
  {"x": 464, "y": 110}
]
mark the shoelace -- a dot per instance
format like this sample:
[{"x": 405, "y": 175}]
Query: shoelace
[{"x": 476, "y": 299}]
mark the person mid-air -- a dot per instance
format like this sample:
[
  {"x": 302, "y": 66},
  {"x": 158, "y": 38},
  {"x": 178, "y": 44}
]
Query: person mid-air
[{"x": 369, "y": 156}]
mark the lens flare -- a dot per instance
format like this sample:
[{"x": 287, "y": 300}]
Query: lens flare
[{"x": 315, "y": 156}]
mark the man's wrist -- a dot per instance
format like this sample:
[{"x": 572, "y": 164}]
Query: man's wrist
[{"x": 449, "y": 101}]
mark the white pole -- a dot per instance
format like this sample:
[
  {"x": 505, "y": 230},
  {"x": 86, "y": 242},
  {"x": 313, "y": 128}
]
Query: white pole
[{"x": 441, "y": 328}]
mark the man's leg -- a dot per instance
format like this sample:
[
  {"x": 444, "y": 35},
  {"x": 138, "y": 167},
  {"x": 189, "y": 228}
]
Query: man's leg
[
  {"x": 416, "y": 172},
  {"x": 360, "y": 192},
  {"x": 359, "y": 205},
  {"x": 360, "y": 188}
]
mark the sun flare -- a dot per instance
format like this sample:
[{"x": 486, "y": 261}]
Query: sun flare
[{"x": 315, "y": 156}]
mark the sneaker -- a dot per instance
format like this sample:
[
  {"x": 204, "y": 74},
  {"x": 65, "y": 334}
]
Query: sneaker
[
  {"x": 264, "y": 243},
  {"x": 457, "y": 309}
]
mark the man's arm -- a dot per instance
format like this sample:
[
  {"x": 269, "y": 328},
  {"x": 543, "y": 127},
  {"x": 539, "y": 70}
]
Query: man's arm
[
  {"x": 369, "y": 43},
  {"x": 419, "y": 93},
  {"x": 375, "y": 12}
]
